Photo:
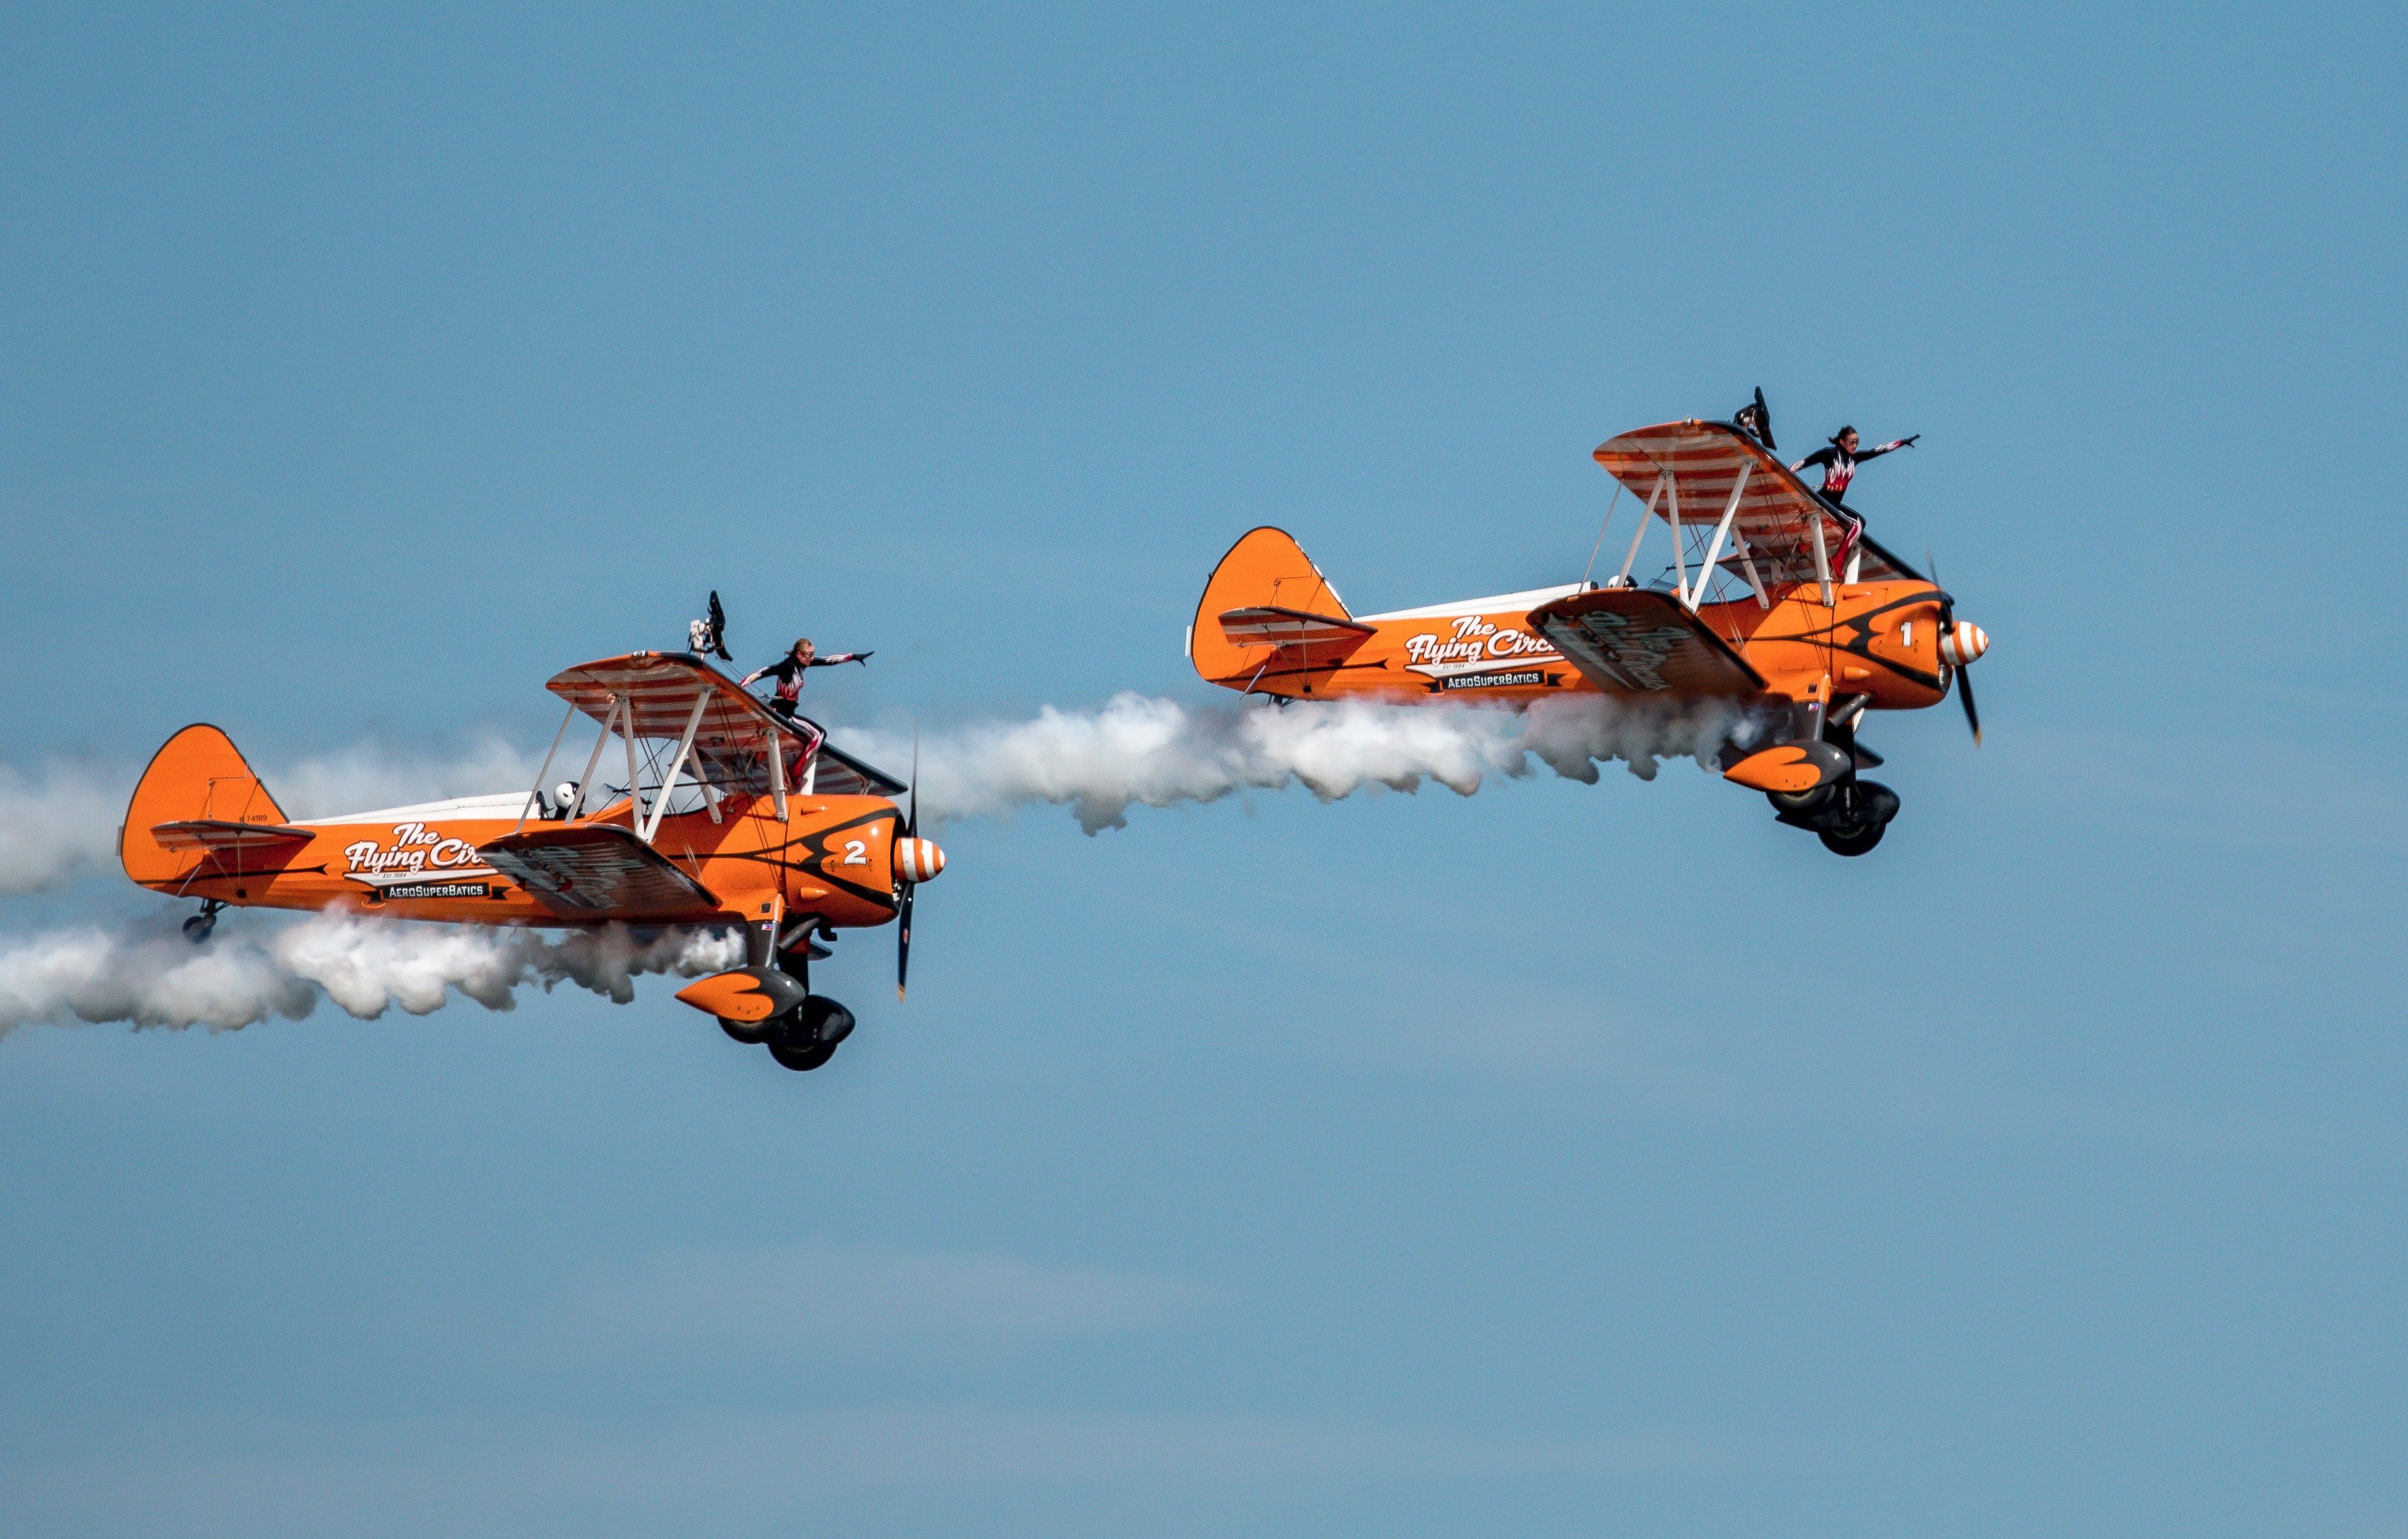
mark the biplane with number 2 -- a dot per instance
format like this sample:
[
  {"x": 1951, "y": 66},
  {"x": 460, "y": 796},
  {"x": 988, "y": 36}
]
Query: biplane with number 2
[
  {"x": 730, "y": 816},
  {"x": 1748, "y": 609}
]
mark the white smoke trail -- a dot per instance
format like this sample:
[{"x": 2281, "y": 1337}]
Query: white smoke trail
[
  {"x": 1156, "y": 752},
  {"x": 56, "y": 823},
  {"x": 62, "y": 819},
  {"x": 1134, "y": 750},
  {"x": 365, "y": 966}
]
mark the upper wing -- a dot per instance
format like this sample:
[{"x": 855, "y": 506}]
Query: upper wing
[
  {"x": 1638, "y": 641},
  {"x": 1686, "y": 471},
  {"x": 840, "y": 774},
  {"x": 655, "y": 693},
  {"x": 598, "y": 870}
]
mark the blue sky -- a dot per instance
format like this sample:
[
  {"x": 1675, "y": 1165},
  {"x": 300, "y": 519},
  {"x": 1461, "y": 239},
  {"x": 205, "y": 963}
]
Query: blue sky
[{"x": 1559, "y": 1158}]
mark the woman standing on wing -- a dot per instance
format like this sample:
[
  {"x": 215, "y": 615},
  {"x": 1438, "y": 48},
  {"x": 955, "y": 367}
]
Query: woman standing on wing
[
  {"x": 1839, "y": 463},
  {"x": 788, "y": 671}
]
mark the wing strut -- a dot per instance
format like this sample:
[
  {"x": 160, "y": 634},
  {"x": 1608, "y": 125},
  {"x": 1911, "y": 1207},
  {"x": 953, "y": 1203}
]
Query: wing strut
[
  {"x": 1722, "y": 532},
  {"x": 668, "y": 782},
  {"x": 593, "y": 760},
  {"x": 1821, "y": 561},
  {"x": 545, "y": 770},
  {"x": 777, "y": 778},
  {"x": 1622, "y": 578}
]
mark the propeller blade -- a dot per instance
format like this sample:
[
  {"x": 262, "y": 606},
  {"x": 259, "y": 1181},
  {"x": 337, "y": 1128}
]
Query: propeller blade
[
  {"x": 1947, "y": 625},
  {"x": 903, "y": 911}
]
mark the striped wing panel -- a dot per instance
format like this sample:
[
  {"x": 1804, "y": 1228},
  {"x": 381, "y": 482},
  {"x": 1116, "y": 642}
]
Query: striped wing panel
[
  {"x": 1776, "y": 513},
  {"x": 598, "y": 870},
  {"x": 842, "y": 775},
  {"x": 1633, "y": 641}
]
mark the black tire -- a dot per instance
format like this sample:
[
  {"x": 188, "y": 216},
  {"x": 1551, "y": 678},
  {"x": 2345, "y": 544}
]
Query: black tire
[
  {"x": 821, "y": 1020},
  {"x": 1854, "y": 841},
  {"x": 1880, "y": 803},
  {"x": 1800, "y": 803},
  {"x": 800, "y": 1058},
  {"x": 197, "y": 929}
]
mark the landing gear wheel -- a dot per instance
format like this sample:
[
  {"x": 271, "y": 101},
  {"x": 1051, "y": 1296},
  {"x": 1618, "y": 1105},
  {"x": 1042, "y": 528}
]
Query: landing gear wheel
[
  {"x": 1855, "y": 840},
  {"x": 750, "y": 1033},
  {"x": 821, "y": 1020},
  {"x": 806, "y": 1039},
  {"x": 1867, "y": 805},
  {"x": 1799, "y": 803},
  {"x": 801, "y": 1058},
  {"x": 197, "y": 929}
]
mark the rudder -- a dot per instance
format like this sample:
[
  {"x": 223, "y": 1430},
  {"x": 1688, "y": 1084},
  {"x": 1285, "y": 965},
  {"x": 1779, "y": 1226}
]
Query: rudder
[
  {"x": 198, "y": 773},
  {"x": 1265, "y": 568}
]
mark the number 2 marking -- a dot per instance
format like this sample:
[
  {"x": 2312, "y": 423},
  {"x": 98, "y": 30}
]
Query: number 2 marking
[{"x": 855, "y": 853}]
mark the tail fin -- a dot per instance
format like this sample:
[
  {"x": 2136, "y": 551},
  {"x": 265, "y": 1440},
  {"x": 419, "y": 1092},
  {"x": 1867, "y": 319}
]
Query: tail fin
[
  {"x": 1265, "y": 569},
  {"x": 196, "y": 775}
]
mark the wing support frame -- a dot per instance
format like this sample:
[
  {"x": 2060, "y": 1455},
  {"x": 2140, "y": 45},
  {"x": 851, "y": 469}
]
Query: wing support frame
[
  {"x": 1622, "y": 578},
  {"x": 538, "y": 789},
  {"x": 1822, "y": 560},
  {"x": 677, "y": 764},
  {"x": 1722, "y": 532}
]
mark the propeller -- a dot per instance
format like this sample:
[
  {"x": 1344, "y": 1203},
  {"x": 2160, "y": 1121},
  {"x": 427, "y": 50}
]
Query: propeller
[
  {"x": 903, "y": 913},
  {"x": 1964, "y": 669}
]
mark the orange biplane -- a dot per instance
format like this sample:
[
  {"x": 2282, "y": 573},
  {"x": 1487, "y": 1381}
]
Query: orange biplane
[
  {"x": 1747, "y": 611},
  {"x": 731, "y": 817}
]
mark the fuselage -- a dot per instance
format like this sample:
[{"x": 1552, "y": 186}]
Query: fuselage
[
  {"x": 1876, "y": 639},
  {"x": 831, "y": 858}
]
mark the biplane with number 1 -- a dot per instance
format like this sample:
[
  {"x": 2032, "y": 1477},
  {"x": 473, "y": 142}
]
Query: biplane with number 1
[
  {"x": 1748, "y": 609},
  {"x": 730, "y": 816}
]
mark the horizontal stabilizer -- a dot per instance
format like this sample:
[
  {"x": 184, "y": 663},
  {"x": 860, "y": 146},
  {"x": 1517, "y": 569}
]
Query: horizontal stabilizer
[
  {"x": 210, "y": 833},
  {"x": 1633, "y": 641},
  {"x": 1270, "y": 625},
  {"x": 598, "y": 869}
]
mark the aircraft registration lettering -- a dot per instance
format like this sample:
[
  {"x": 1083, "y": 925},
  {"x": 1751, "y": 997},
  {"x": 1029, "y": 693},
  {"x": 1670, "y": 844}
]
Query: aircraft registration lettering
[{"x": 416, "y": 847}]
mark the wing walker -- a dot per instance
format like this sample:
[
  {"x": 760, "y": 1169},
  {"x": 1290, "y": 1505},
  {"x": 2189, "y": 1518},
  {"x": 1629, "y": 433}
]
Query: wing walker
[
  {"x": 731, "y": 816},
  {"x": 1747, "y": 611}
]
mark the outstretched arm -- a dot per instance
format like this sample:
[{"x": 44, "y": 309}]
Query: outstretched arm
[
  {"x": 1880, "y": 448},
  {"x": 1820, "y": 456},
  {"x": 840, "y": 657}
]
